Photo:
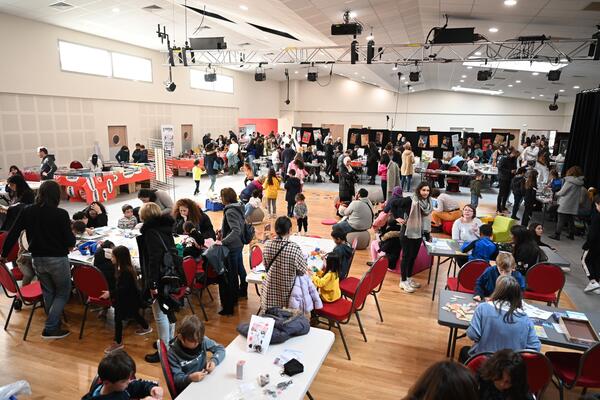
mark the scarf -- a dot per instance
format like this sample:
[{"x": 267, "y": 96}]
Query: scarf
[{"x": 419, "y": 219}]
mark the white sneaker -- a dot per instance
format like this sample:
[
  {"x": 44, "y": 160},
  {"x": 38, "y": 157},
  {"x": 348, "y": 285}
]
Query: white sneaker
[
  {"x": 596, "y": 291},
  {"x": 404, "y": 285},
  {"x": 413, "y": 284},
  {"x": 566, "y": 269},
  {"x": 592, "y": 286}
]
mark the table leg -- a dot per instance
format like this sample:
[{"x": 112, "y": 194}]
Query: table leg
[
  {"x": 429, "y": 276},
  {"x": 454, "y": 335},
  {"x": 309, "y": 395},
  {"x": 437, "y": 271},
  {"x": 449, "y": 347},
  {"x": 256, "y": 288}
]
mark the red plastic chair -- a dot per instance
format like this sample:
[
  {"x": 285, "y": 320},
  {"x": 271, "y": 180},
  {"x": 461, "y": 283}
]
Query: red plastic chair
[
  {"x": 378, "y": 270},
  {"x": 544, "y": 282},
  {"x": 576, "y": 369},
  {"x": 539, "y": 371},
  {"x": 189, "y": 270},
  {"x": 75, "y": 165},
  {"x": 431, "y": 177},
  {"x": 340, "y": 311},
  {"x": 453, "y": 182},
  {"x": 475, "y": 362},
  {"x": 467, "y": 276},
  {"x": 90, "y": 282},
  {"x": 30, "y": 295},
  {"x": 210, "y": 278},
  {"x": 12, "y": 256},
  {"x": 163, "y": 356}
]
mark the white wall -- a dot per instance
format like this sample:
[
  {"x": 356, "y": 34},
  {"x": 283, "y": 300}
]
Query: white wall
[
  {"x": 348, "y": 102},
  {"x": 68, "y": 112}
]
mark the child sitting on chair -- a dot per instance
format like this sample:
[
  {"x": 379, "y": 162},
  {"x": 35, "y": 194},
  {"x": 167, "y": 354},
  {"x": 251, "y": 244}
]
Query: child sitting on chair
[
  {"x": 482, "y": 248},
  {"x": 486, "y": 283},
  {"x": 116, "y": 374},
  {"x": 129, "y": 221},
  {"x": 194, "y": 243},
  {"x": 187, "y": 355},
  {"x": 328, "y": 279}
]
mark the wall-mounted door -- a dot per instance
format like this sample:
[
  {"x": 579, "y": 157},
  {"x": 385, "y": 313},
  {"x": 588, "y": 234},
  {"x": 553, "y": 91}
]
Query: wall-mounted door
[
  {"x": 187, "y": 137},
  {"x": 117, "y": 138}
]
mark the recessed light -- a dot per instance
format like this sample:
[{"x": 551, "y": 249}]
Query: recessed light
[
  {"x": 402, "y": 78},
  {"x": 562, "y": 90},
  {"x": 356, "y": 73},
  {"x": 469, "y": 67},
  {"x": 116, "y": 10},
  {"x": 462, "y": 81},
  {"x": 517, "y": 81},
  {"x": 394, "y": 68},
  {"x": 243, "y": 7},
  {"x": 478, "y": 53},
  {"x": 510, "y": 3},
  {"x": 575, "y": 87},
  {"x": 541, "y": 95},
  {"x": 510, "y": 85},
  {"x": 463, "y": 76},
  {"x": 532, "y": 97},
  {"x": 535, "y": 73},
  {"x": 295, "y": 72},
  {"x": 564, "y": 60},
  {"x": 493, "y": 29},
  {"x": 352, "y": 14}
]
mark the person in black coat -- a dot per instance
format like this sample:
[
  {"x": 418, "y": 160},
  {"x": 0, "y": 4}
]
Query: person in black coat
[
  {"x": 591, "y": 253},
  {"x": 136, "y": 156},
  {"x": 507, "y": 166},
  {"x": 372, "y": 162},
  {"x": 526, "y": 251},
  {"x": 123, "y": 155},
  {"x": 329, "y": 160},
  {"x": 292, "y": 188},
  {"x": 206, "y": 139},
  {"x": 287, "y": 157},
  {"x": 155, "y": 241},
  {"x": 209, "y": 164},
  {"x": 348, "y": 179},
  {"x": 96, "y": 214},
  {"x": 105, "y": 265},
  {"x": 21, "y": 196}
]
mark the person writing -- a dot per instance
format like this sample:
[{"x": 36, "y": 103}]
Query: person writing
[{"x": 486, "y": 283}]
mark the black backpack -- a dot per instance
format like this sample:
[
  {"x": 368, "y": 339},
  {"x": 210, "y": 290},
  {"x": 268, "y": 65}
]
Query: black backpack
[
  {"x": 248, "y": 231},
  {"x": 172, "y": 279}
]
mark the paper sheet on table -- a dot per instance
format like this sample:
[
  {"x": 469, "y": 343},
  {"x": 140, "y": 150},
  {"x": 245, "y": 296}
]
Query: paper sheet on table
[
  {"x": 540, "y": 331},
  {"x": 534, "y": 312},
  {"x": 287, "y": 355},
  {"x": 441, "y": 245}
]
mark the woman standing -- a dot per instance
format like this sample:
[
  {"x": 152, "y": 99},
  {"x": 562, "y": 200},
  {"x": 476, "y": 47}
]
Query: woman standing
[
  {"x": 530, "y": 192},
  {"x": 347, "y": 180},
  {"x": 393, "y": 171},
  {"x": 407, "y": 170},
  {"x": 526, "y": 251},
  {"x": 372, "y": 160},
  {"x": 416, "y": 211},
  {"x": 122, "y": 156},
  {"x": 284, "y": 261},
  {"x": 155, "y": 241},
  {"x": 48, "y": 230},
  {"x": 210, "y": 159},
  {"x": 568, "y": 202},
  {"x": 230, "y": 236}
]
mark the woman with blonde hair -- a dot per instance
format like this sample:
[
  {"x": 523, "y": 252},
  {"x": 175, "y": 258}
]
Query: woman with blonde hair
[{"x": 407, "y": 169}]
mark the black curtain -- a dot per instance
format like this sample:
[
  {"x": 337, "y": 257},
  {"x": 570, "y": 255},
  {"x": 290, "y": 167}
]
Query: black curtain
[{"x": 584, "y": 143}]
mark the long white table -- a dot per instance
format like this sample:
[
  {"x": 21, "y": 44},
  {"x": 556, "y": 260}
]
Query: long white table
[{"x": 222, "y": 382}]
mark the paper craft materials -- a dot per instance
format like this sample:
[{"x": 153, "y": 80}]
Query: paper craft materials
[
  {"x": 540, "y": 332},
  {"x": 259, "y": 334},
  {"x": 535, "y": 312},
  {"x": 263, "y": 380},
  {"x": 464, "y": 312},
  {"x": 239, "y": 371}
]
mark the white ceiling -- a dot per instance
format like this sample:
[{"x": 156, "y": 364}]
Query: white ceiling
[{"x": 393, "y": 21}]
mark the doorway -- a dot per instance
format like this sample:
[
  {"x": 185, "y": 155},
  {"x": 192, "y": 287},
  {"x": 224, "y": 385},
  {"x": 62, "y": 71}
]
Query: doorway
[
  {"x": 117, "y": 138},
  {"x": 187, "y": 138},
  {"x": 336, "y": 131}
]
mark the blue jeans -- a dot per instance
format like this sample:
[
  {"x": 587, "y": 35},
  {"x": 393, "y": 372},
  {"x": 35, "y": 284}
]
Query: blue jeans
[
  {"x": 166, "y": 330},
  {"x": 248, "y": 209},
  {"x": 405, "y": 182},
  {"x": 343, "y": 226},
  {"x": 236, "y": 262},
  {"x": 213, "y": 180},
  {"x": 474, "y": 200},
  {"x": 54, "y": 274}
]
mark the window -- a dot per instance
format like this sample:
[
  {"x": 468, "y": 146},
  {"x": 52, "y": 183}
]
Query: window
[
  {"x": 91, "y": 60},
  {"x": 224, "y": 83},
  {"x": 88, "y": 60},
  {"x": 131, "y": 67}
]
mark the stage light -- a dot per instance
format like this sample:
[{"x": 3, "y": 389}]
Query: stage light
[
  {"x": 170, "y": 86},
  {"x": 554, "y": 75},
  {"x": 484, "y": 75},
  {"x": 414, "y": 76}
]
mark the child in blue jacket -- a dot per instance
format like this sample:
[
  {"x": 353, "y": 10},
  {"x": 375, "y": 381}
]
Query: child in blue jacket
[
  {"x": 486, "y": 283},
  {"x": 482, "y": 248}
]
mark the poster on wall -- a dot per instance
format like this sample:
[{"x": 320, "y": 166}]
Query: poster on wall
[
  {"x": 426, "y": 156},
  {"x": 353, "y": 138},
  {"x": 485, "y": 143},
  {"x": 364, "y": 140},
  {"x": 306, "y": 137},
  {"x": 422, "y": 141},
  {"x": 317, "y": 134},
  {"x": 562, "y": 147},
  {"x": 379, "y": 137},
  {"x": 455, "y": 139},
  {"x": 433, "y": 141},
  {"x": 167, "y": 133}
]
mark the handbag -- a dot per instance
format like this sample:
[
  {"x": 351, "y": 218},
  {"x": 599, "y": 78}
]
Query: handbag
[{"x": 293, "y": 367}]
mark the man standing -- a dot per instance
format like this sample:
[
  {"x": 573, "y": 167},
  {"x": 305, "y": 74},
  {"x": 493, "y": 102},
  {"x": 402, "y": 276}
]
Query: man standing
[
  {"x": 288, "y": 156},
  {"x": 507, "y": 166},
  {"x": 206, "y": 139},
  {"x": 136, "y": 156},
  {"x": 48, "y": 166}
]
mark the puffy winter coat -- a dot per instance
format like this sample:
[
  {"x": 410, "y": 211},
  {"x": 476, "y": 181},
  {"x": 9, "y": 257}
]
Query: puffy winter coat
[
  {"x": 568, "y": 195},
  {"x": 288, "y": 323},
  {"x": 304, "y": 296}
]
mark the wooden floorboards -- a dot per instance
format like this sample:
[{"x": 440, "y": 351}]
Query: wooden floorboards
[{"x": 397, "y": 351}]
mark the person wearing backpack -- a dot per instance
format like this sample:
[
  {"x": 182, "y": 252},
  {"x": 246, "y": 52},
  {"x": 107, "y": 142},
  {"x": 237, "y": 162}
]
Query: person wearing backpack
[
  {"x": 518, "y": 190},
  {"x": 155, "y": 244},
  {"x": 232, "y": 236},
  {"x": 210, "y": 162}
]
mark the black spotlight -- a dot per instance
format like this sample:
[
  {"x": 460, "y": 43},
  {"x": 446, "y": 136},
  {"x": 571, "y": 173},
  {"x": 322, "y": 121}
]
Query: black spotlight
[
  {"x": 414, "y": 76},
  {"x": 170, "y": 86},
  {"x": 260, "y": 75},
  {"x": 353, "y": 52},
  {"x": 370, "y": 51},
  {"x": 484, "y": 75},
  {"x": 312, "y": 76},
  {"x": 210, "y": 77},
  {"x": 554, "y": 75}
]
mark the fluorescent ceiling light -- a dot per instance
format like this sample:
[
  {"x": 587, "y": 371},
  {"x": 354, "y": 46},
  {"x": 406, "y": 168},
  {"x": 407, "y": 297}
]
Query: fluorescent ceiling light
[
  {"x": 464, "y": 76},
  {"x": 535, "y": 73},
  {"x": 517, "y": 65},
  {"x": 493, "y": 29},
  {"x": 402, "y": 78},
  {"x": 541, "y": 95},
  {"x": 115, "y": 10},
  {"x": 532, "y": 97},
  {"x": 462, "y": 81},
  {"x": 394, "y": 68},
  {"x": 575, "y": 87},
  {"x": 510, "y": 3},
  {"x": 517, "y": 81},
  {"x": 469, "y": 67},
  {"x": 562, "y": 90},
  {"x": 243, "y": 7},
  {"x": 356, "y": 73},
  {"x": 473, "y": 90},
  {"x": 478, "y": 53},
  {"x": 295, "y": 72},
  {"x": 510, "y": 85}
]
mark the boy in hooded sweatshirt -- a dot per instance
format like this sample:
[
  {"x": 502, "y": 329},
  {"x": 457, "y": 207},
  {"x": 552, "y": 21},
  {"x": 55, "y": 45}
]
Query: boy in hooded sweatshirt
[
  {"x": 343, "y": 250},
  {"x": 188, "y": 354}
]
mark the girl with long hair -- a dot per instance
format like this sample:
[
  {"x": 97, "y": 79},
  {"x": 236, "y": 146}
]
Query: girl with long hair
[
  {"x": 530, "y": 192},
  {"x": 185, "y": 210},
  {"x": 504, "y": 376}
]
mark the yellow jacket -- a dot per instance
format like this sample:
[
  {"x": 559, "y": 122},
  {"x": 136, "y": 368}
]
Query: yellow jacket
[
  {"x": 196, "y": 172},
  {"x": 328, "y": 285},
  {"x": 271, "y": 190}
]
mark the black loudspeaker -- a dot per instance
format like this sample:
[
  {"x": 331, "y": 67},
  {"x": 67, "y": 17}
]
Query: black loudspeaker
[
  {"x": 484, "y": 75},
  {"x": 346, "y": 29},
  {"x": 554, "y": 75},
  {"x": 453, "y": 35},
  {"x": 312, "y": 76},
  {"x": 212, "y": 77}
]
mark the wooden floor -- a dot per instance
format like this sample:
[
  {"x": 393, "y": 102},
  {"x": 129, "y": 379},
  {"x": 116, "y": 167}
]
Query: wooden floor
[{"x": 398, "y": 349}]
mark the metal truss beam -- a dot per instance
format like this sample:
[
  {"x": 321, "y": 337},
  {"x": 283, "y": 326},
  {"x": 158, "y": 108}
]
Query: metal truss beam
[{"x": 401, "y": 54}]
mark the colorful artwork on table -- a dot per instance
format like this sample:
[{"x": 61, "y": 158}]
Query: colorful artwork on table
[
  {"x": 433, "y": 141},
  {"x": 364, "y": 139},
  {"x": 306, "y": 137},
  {"x": 426, "y": 156},
  {"x": 353, "y": 137},
  {"x": 423, "y": 139},
  {"x": 379, "y": 137}
]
